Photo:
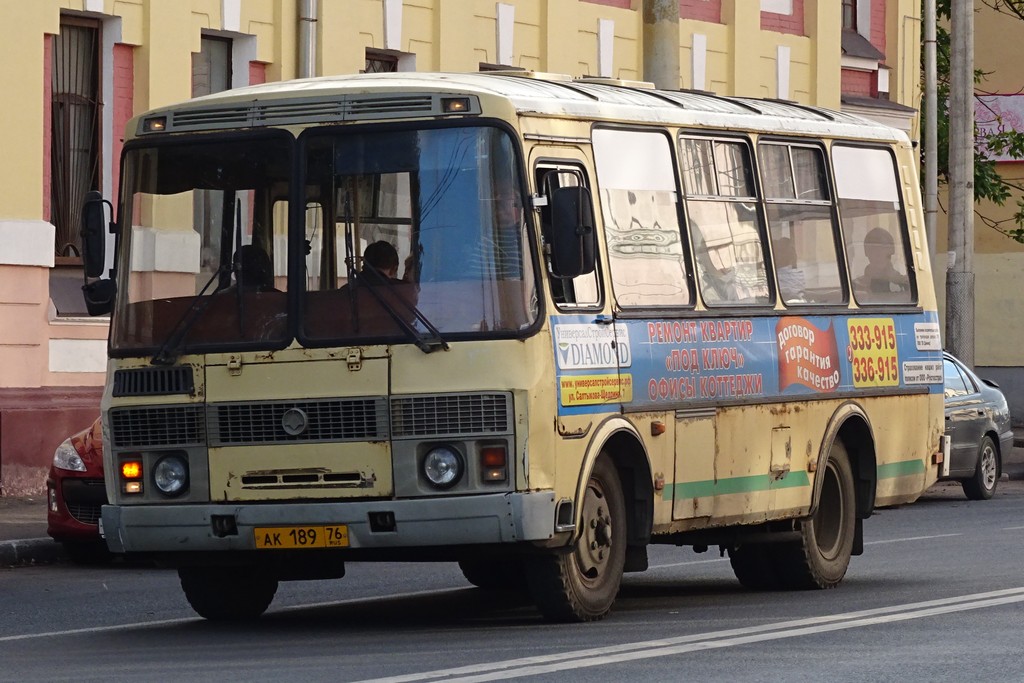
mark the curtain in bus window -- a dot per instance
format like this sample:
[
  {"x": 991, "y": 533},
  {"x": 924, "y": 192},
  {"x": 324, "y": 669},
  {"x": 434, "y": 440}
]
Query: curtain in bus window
[
  {"x": 639, "y": 204},
  {"x": 725, "y": 228},
  {"x": 873, "y": 225},
  {"x": 800, "y": 224}
]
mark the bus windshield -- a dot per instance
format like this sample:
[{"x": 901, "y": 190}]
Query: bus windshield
[
  {"x": 420, "y": 221},
  {"x": 411, "y": 236},
  {"x": 203, "y": 245}
]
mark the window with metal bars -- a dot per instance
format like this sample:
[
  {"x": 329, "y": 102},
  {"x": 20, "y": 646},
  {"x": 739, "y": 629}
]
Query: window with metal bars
[
  {"x": 75, "y": 129},
  {"x": 378, "y": 62}
]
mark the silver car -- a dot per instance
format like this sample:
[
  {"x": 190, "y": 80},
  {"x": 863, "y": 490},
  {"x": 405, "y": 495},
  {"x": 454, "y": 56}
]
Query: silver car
[{"x": 978, "y": 424}]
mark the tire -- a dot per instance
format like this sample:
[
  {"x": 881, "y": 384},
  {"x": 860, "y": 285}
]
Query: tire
[
  {"x": 581, "y": 585},
  {"x": 505, "y": 574},
  {"x": 822, "y": 555},
  {"x": 986, "y": 475},
  {"x": 754, "y": 566},
  {"x": 227, "y": 593}
]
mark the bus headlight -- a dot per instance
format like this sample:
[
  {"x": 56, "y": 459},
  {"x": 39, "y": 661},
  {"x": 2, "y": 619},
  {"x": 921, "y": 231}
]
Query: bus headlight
[
  {"x": 443, "y": 467},
  {"x": 171, "y": 475}
]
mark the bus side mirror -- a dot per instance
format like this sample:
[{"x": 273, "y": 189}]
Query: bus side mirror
[
  {"x": 99, "y": 294},
  {"x": 94, "y": 236},
  {"x": 572, "y": 232}
]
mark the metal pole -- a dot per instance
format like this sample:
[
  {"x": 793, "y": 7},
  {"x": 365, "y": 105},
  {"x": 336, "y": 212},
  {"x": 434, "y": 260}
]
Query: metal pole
[
  {"x": 307, "y": 38},
  {"x": 931, "y": 136},
  {"x": 960, "y": 270},
  {"x": 661, "y": 43}
]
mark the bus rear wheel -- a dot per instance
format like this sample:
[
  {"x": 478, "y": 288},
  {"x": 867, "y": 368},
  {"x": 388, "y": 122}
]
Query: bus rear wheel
[
  {"x": 822, "y": 555},
  {"x": 581, "y": 585},
  {"x": 227, "y": 593}
]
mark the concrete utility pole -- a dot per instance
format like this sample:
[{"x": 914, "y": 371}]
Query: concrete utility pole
[
  {"x": 307, "y": 38},
  {"x": 661, "y": 43},
  {"x": 960, "y": 271}
]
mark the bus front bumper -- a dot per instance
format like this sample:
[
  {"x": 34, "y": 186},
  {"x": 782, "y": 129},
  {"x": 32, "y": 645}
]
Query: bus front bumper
[{"x": 450, "y": 521}]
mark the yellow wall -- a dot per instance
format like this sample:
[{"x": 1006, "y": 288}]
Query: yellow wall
[{"x": 444, "y": 35}]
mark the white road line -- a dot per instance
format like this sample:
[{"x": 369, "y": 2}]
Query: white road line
[
  {"x": 1012, "y": 528},
  {"x": 911, "y": 538},
  {"x": 185, "y": 620},
  {"x": 616, "y": 654},
  {"x": 686, "y": 564}
]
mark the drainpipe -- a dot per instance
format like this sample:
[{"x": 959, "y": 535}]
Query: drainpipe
[
  {"x": 661, "y": 43},
  {"x": 931, "y": 137},
  {"x": 307, "y": 38}
]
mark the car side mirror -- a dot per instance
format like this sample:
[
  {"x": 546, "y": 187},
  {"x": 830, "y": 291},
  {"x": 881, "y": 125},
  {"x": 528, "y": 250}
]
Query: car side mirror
[{"x": 572, "y": 232}]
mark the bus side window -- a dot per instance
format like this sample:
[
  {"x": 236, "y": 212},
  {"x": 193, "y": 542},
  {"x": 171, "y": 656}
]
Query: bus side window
[
  {"x": 874, "y": 225},
  {"x": 800, "y": 223},
  {"x": 725, "y": 227},
  {"x": 581, "y": 291}
]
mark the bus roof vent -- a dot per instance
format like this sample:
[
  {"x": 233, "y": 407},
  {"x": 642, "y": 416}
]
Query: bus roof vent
[
  {"x": 153, "y": 381},
  {"x": 377, "y": 106},
  {"x": 254, "y": 113},
  {"x": 622, "y": 83}
]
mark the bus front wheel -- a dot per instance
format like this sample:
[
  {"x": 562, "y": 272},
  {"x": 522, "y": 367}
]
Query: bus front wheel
[
  {"x": 227, "y": 593},
  {"x": 581, "y": 585}
]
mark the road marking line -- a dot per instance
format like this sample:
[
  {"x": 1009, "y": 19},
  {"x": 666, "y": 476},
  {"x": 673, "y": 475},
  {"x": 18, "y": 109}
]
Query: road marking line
[
  {"x": 1012, "y": 528},
  {"x": 185, "y": 620},
  {"x": 911, "y": 538},
  {"x": 684, "y": 564},
  {"x": 616, "y": 654}
]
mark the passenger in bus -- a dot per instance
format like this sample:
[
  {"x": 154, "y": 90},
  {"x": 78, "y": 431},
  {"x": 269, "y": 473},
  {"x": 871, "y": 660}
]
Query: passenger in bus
[
  {"x": 380, "y": 262},
  {"x": 790, "y": 277},
  {"x": 880, "y": 277},
  {"x": 255, "y": 268}
]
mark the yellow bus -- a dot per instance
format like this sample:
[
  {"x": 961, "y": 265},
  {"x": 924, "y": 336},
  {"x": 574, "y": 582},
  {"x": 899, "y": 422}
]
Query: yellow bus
[{"x": 523, "y": 322}]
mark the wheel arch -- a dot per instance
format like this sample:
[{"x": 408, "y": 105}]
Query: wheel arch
[
  {"x": 622, "y": 442},
  {"x": 850, "y": 425}
]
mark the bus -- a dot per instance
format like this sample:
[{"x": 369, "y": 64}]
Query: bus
[{"x": 524, "y": 322}]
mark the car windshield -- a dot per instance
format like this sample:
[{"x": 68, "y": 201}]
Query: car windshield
[
  {"x": 203, "y": 245},
  {"x": 414, "y": 234}
]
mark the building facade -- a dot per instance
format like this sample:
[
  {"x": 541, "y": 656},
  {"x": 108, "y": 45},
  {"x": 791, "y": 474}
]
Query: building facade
[
  {"x": 75, "y": 71},
  {"x": 998, "y": 258}
]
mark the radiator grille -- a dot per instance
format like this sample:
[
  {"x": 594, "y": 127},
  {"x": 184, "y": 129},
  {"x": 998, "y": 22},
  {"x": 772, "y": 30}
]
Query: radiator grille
[
  {"x": 157, "y": 426},
  {"x": 153, "y": 381},
  {"x": 361, "y": 419},
  {"x": 451, "y": 414},
  {"x": 85, "y": 513}
]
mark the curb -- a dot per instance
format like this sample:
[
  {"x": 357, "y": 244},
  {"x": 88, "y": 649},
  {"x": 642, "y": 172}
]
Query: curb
[{"x": 30, "y": 551}]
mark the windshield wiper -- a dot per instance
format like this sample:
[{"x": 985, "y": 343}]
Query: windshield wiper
[
  {"x": 167, "y": 354},
  {"x": 428, "y": 341}
]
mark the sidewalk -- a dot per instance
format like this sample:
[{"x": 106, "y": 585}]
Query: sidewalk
[{"x": 23, "y": 538}]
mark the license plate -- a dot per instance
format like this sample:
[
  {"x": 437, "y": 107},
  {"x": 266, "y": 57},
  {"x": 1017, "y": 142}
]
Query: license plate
[{"x": 290, "y": 537}]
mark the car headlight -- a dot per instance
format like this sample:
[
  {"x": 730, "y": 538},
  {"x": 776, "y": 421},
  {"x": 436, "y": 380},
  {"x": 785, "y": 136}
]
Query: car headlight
[
  {"x": 443, "y": 467},
  {"x": 171, "y": 475},
  {"x": 67, "y": 458}
]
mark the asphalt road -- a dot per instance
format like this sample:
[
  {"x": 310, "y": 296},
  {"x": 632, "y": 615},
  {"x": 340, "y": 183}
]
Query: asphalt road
[{"x": 937, "y": 596}]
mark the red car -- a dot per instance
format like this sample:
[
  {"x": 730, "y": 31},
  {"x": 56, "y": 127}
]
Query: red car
[{"x": 75, "y": 492}]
